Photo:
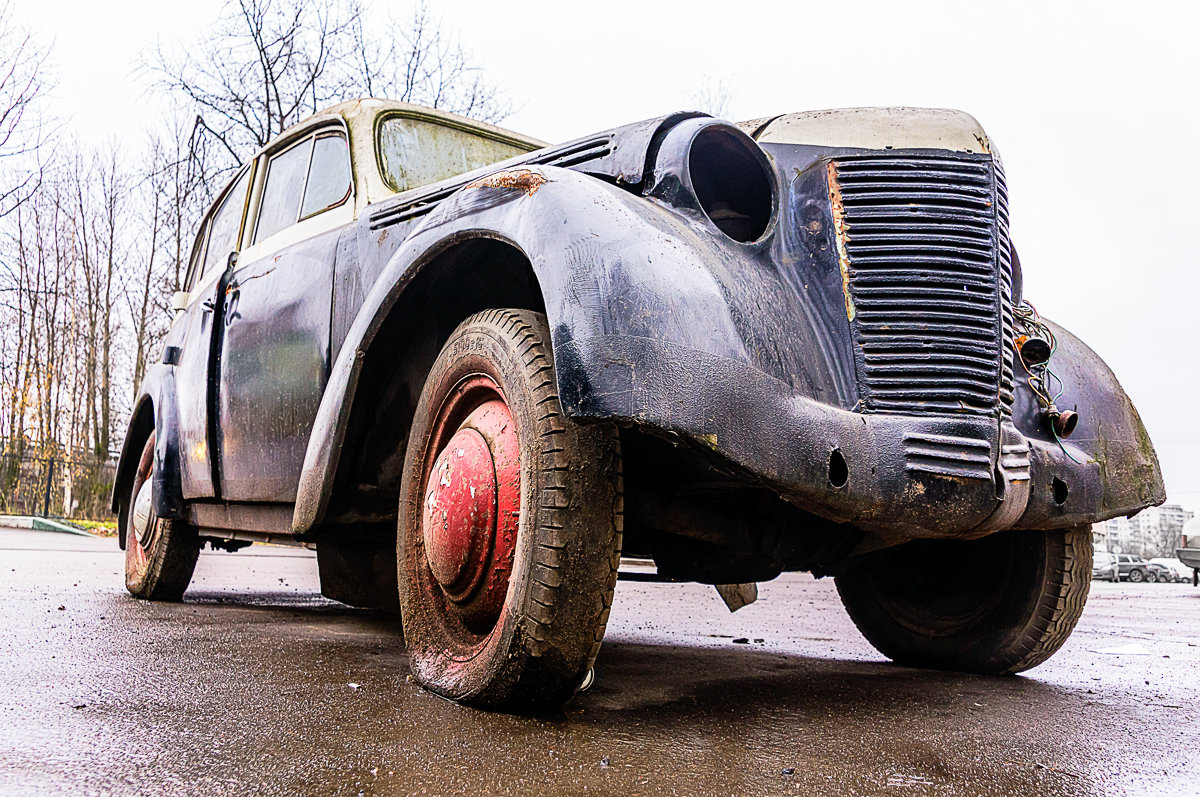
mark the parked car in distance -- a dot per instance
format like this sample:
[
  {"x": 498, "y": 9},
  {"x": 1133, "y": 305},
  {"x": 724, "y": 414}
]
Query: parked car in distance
[
  {"x": 1156, "y": 572},
  {"x": 473, "y": 371},
  {"x": 1105, "y": 567},
  {"x": 1133, "y": 568},
  {"x": 1189, "y": 552},
  {"x": 1173, "y": 570}
]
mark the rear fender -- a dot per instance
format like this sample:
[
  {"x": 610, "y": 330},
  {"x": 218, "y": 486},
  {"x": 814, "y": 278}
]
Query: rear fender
[{"x": 155, "y": 411}]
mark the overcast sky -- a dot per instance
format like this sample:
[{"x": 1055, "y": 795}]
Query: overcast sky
[{"x": 1093, "y": 106}]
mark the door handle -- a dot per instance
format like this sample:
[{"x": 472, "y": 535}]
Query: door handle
[{"x": 232, "y": 296}]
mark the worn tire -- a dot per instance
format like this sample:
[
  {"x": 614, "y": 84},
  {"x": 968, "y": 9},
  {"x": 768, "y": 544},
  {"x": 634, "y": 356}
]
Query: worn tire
[
  {"x": 161, "y": 556},
  {"x": 1006, "y": 618},
  {"x": 563, "y": 548}
]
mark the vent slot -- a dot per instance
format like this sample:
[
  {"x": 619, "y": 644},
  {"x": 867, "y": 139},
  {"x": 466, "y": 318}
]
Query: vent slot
[{"x": 929, "y": 276}]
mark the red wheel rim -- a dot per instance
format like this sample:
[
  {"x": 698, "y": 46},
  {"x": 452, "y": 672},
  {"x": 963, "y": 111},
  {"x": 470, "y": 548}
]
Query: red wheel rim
[{"x": 471, "y": 505}]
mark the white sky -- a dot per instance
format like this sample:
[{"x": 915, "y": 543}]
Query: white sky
[{"x": 1093, "y": 105}]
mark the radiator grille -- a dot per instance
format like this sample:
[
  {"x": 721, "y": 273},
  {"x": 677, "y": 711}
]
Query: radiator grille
[{"x": 924, "y": 248}]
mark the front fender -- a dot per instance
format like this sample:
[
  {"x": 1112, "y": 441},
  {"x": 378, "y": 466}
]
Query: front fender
[
  {"x": 1108, "y": 467},
  {"x": 608, "y": 263}
]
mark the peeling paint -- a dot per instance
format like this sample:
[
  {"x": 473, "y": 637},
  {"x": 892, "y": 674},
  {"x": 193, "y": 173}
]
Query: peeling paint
[
  {"x": 519, "y": 179},
  {"x": 839, "y": 229}
]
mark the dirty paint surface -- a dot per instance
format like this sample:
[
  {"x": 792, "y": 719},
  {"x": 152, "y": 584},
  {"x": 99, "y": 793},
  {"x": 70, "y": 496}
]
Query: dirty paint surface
[{"x": 257, "y": 684}]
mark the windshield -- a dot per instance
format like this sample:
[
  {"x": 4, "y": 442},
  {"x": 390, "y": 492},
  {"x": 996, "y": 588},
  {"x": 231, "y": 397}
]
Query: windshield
[{"x": 415, "y": 152}]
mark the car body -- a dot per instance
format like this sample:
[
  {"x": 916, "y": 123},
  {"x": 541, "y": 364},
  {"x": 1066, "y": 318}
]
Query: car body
[
  {"x": 802, "y": 331},
  {"x": 1105, "y": 566}
]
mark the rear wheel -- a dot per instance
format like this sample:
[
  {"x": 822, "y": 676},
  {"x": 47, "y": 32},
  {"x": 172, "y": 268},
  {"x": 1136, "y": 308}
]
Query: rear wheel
[
  {"x": 1000, "y": 604},
  {"x": 160, "y": 554},
  {"x": 509, "y": 526},
  {"x": 1137, "y": 576}
]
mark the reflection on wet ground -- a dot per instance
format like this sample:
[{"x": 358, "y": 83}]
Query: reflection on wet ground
[{"x": 256, "y": 683}]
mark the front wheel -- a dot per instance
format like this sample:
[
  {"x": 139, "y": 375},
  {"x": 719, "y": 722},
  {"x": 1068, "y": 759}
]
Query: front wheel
[
  {"x": 509, "y": 530},
  {"x": 997, "y": 605},
  {"x": 160, "y": 554}
]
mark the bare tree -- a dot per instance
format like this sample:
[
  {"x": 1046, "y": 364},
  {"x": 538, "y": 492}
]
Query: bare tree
[
  {"x": 270, "y": 63},
  {"x": 418, "y": 61},
  {"x": 712, "y": 96},
  {"x": 22, "y": 64}
]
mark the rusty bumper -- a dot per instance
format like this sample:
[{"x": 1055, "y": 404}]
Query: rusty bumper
[{"x": 896, "y": 477}]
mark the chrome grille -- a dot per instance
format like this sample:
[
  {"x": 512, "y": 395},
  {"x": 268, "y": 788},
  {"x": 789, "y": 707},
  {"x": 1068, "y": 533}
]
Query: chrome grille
[{"x": 924, "y": 247}]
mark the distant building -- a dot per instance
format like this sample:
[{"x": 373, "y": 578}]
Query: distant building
[{"x": 1153, "y": 532}]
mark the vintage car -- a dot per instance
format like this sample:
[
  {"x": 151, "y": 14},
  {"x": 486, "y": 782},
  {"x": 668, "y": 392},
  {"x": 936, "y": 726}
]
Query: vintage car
[{"x": 473, "y": 371}]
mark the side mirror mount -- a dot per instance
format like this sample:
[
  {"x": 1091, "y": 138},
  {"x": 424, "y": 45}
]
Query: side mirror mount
[{"x": 179, "y": 301}]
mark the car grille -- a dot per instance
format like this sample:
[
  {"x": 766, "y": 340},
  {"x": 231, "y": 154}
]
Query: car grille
[{"x": 924, "y": 250}]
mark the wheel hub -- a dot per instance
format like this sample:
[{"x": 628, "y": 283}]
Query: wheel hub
[
  {"x": 460, "y": 521},
  {"x": 470, "y": 513}
]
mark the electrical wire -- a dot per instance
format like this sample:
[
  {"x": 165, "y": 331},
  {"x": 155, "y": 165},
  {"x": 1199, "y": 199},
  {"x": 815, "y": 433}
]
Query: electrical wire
[{"x": 1029, "y": 322}]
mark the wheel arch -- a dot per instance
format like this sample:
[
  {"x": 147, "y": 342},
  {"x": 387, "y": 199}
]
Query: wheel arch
[
  {"x": 154, "y": 412},
  {"x": 141, "y": 425},
  {"x": 460, "y": 277},
  {"x": 589, "y": 255}
]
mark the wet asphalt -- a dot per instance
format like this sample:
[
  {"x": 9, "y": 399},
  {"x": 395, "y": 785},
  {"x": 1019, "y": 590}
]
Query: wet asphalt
[{"x": 257, "y": 685}]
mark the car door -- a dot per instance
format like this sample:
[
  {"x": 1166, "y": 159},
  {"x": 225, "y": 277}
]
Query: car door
[
  {"x": 207, "y": 271},
  {"x": 274, "y": 357}
]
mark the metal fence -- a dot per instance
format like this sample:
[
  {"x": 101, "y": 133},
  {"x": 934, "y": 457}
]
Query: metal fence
[{"x": 56, "y": 485}]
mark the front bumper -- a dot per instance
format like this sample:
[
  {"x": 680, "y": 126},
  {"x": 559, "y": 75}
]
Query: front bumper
[{"x": 905, "y": 476}]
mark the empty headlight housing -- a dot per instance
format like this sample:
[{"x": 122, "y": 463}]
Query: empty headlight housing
[{"x": 714, "y": 170}]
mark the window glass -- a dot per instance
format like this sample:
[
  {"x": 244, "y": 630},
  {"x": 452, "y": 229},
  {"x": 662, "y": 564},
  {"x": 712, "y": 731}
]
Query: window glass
[
  {"x": 415, "y": 153},
  {"x": 284, "y": 188},
  {"x": 328, "y": 176},
  {"x": 225, "y": 225},
  {"x": 193, "y": 271}
]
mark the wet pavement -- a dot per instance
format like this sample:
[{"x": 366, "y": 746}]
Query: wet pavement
[{"x": 256, "y": 684}]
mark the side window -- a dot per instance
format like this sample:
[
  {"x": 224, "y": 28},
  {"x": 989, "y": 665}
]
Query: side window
[
  {"x": 192, "y": 275},
  {"x": 226, "y": 224},
  {"x": 413, "y": 152},
  {"x": 328, "y": 176},
  {"x": 284, "y": 188},
  {"x": 307, "y": 178}
]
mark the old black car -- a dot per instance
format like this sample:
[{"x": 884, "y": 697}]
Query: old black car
[{"x": 472, "y": 371}]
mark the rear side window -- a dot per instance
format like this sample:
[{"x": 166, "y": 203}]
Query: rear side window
[
  {"x": 328, "y": 176},
  {"x": 226, "y": 224},
  {"x": 309, "y": 177}
]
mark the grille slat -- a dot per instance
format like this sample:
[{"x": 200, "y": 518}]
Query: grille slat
[{"x": 926, "y": 252}]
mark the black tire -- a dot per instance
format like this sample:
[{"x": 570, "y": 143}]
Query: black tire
[
  {"x": 997, "y": 605},
  {"x": 1137, "y": 576},
  {"x": 160, "y": 554},
  {"x": 1151, "y": 578},
  {"x": 533, "y": 651}
]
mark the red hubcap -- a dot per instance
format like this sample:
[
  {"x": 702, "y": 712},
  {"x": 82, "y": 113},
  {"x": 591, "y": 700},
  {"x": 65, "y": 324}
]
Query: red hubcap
[{"x": 471, "y": 506}]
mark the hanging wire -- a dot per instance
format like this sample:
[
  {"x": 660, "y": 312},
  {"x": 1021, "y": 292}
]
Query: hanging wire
[{"x": 1030, "y": 325}]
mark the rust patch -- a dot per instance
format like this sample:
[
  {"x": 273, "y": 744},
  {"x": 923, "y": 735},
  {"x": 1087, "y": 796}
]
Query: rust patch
[
  {"x": 840, "y": 233},
  {"x": 515, "y": 179}
]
